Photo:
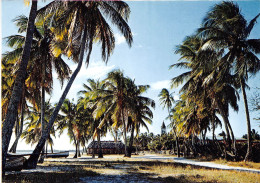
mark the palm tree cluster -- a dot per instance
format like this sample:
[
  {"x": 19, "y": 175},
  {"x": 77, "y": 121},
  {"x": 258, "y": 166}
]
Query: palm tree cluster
[
  {"x": 117, "y": 104},
  {"x": 61, "y": 28},
  {"x": 219, "y": 57}
]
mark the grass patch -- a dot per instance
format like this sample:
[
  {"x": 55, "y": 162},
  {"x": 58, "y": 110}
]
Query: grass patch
[
  {"x": 143, "y": 170},
  {"x": 191, "y": 174},
  {"x": 239, "y": 164}
]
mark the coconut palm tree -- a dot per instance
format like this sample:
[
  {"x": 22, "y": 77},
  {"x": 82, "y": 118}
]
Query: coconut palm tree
[
  {"x": 17, "y": 91},
  {"x": 42, "y": 61},
  {"x": 9, "y": 68},
  {"x": 91, "y": 96},
  {"x": 204, "y": 70},
  {"x": 139, "y": 112},
  {"x": 224, "y": 27},
  {"x": 69, "y": 121},
  {"x": 114, "y": 102},
  {"x": 32, "y": 132},
  {"x": 122, "y": 103},
  {"x": 85, "y": 20},
  {"x": 167, "y": 100}
]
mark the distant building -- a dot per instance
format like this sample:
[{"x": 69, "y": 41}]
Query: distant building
[
  {"x": 163, "y": 128},
  {"x": 108, "y": 147}
]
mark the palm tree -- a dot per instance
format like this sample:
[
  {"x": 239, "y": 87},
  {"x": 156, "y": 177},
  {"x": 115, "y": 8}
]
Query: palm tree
[
  {"x": 122, "y": 103},
  {"x": 207, "y": 84},
  {"x": 225, "y": 27},
  {"x": 32, "y": 132},
  {"x": 8, "y": 77},
  {"x": 91, "y": 96},
  {"x": 41, "y": 61},
  {"x": 167, "y": 100},
  {"x": 69, "y": 109},
  {"x": 114, "y": 102},
  {"x": 139, "y": 112},
  {"x": 17, "y": 91},
  {"x": 88, "y": 20}
]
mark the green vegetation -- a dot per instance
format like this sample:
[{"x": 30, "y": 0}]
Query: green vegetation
[
  {"x": 219, "y": 57},
  {"x": 130, "y": 170}
]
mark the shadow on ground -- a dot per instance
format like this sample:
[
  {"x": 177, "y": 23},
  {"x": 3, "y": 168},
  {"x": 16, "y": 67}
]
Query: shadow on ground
[{"x": 97, "y": 171}]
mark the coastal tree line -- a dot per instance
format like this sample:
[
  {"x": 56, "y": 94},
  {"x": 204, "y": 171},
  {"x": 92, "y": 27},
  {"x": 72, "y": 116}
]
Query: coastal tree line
[
  {"x": 219, "y": 58},
  {"x": 76, "y": 26}
]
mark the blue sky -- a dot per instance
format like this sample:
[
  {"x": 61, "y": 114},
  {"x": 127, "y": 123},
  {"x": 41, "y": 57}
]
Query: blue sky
[{"x": 157, "y": 26}]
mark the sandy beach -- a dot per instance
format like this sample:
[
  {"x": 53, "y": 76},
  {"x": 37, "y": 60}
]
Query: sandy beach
[{"x": 116, "y": 168}]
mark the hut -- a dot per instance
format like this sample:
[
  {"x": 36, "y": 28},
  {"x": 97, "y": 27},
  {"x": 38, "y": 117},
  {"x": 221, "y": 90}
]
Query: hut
[{"x": 108, "y": 147}]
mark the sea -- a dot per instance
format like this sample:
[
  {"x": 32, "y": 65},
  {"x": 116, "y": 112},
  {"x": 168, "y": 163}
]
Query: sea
[{"x": 49, "y": 151}]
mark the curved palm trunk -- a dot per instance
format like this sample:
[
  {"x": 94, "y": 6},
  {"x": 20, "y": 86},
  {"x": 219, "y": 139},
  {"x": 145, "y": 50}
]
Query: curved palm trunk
[
  {"x": 226, "y": 122},
  {"x": 8, "y": 124},
  {"x": 32, "y": 161},
  {"x": 46, "y": 148},
  {"x": 43, "y": 108},
  {"x": 20, "y": 130},
  {"x": 233, "y": 140},
  {"x": 249, "y": 139}
]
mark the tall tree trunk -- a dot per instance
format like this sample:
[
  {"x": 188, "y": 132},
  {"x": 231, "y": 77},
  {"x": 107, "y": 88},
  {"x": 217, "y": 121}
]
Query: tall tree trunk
[
  {"x": 51, "y": 148},
  {"x": 100, "y": 154},
  {"x": 131, "y": 141},
  {"x": 249, "y": 137},
  {"x": 178, "y": 146},
  {"x": 233, "y": 140},
  {"x": 76, "y": 147},
  {"x": 116, "y": 136},
  {"x": 93, "y": 148},
  {"x": 17, "y": 126},
  {"x": 20, "y": 131},
  {"x": 8, "y": 124},
  {"x": 213, "y": 130},
  {"x": 226, "y": 122},
  {"x": 46, "y": 148},
  {"x": 124, "y": 126},
  {"x": 177, "y": 143},
  {"x": 79, "y": 155},
  {"x": 41, "y": 160},
  {"x": 32, "y": 161}
]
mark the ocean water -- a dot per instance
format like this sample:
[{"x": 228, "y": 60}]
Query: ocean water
[{"x": 49, "y": 151}]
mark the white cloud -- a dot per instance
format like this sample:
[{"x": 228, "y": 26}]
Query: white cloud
[
  {"x": 95, "y": 70},
  {"x": 119, "y": 39},
  {"x": 158, "y": 85}
]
